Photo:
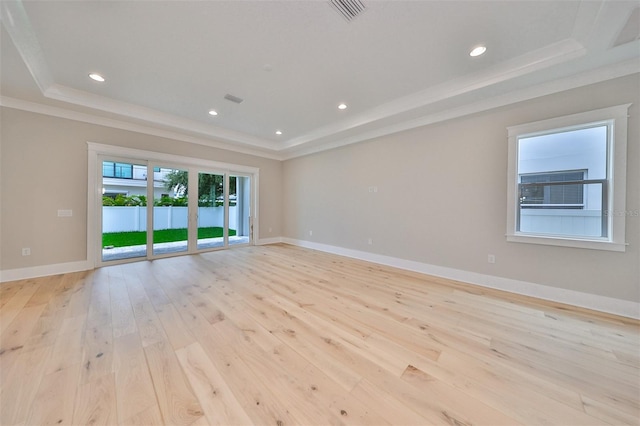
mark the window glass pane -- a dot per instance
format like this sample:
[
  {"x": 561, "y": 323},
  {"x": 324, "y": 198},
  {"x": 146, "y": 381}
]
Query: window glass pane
[
  {"x": 210, "y": 210},
  {"x": 124, "y": 171},
  {"x": 239, "y": 209},
  {"x": 546, "y": 205},
  {"x": 124, "y": 214},
  {"x": 107, "y": 169},
  {"x": 583, "y": 149},
  {"x": 170, "y": 212},
  {"x": 569, "y": 195},
  {"x": 563, "y": 220}
]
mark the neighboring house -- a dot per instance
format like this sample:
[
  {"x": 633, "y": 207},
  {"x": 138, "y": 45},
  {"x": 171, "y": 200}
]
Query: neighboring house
[{"x": 131, "y": 179}]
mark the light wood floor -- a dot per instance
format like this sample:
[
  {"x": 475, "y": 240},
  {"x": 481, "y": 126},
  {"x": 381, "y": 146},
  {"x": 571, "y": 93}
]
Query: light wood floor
[{"x": 280, "y": 335}]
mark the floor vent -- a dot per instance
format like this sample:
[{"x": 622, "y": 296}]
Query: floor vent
[
  {"x": 233, "y": 98},
  {"x": 349, "y": 9}
]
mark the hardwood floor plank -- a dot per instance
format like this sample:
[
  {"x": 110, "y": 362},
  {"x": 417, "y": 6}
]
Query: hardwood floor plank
[
  {"x": 9, "y": 289},
  {"x": 96, "y": 402},
  {"x": 455, "y": 406},
  {"x": 134, "y": 387},
  {"x": 16, "y": 335},
  {"x": 46, "y": 290},
  {"x": 177, "y": 331},
  {"x": 286, "y": 335},
  {"x": 45, "y": 331},
  {"x": 15, "y": 304},
  {"x": 97, "y": 358},
  {"x": 147, "y": 322},
  {"x": 100, "y": 307},
  {"x": 80, "y": 299},
  {"x": 65, "y": 291},
  {"x": 216, "y": 398},
  {"x": 387, "y": 405},
  {"x": 178, "y": 404},
  {"x": 52, "y": 405},
  {"x": 122, "y": 318},
  {"x": 20, "y": 386},
  {"x": 255, "y": 397},
  {"x": 68, "y": 348},
  {"x": 147, "y": 417}
]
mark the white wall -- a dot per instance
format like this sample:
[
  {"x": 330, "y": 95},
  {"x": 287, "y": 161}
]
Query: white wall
[{"x": 441, "y": 198}]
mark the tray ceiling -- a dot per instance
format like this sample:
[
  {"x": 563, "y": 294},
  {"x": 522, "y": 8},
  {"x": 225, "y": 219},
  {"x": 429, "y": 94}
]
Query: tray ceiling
[{"x": 396, "y": 65}]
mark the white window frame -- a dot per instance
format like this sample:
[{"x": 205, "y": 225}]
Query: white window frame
[{"x": 616, "y": 119}]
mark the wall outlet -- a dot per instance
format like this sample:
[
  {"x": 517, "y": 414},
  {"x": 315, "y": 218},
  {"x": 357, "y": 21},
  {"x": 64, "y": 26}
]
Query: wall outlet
[
  {"x": 65, "y": 213},
  {"x": 270, "y": 229},
  {"x": 491, "y": 258},
  {"x": 310, "y": 233},
  {"x": 26, "y": 251},
  {"x": 370, "y": 241}
]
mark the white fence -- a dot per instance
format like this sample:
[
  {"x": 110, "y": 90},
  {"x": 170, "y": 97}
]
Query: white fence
[
  {"x": 125, "y": 219},
  {"x": 584, "y": 223}
]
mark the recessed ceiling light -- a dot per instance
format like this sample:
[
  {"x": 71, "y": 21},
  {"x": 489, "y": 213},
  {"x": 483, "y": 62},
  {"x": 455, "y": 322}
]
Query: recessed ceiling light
[
  {"x": 96, "y": 77},
  {"x": 213, "y": 112},
  {"x": 342, "y": 106},
  {"x": 477, "y": 51},
  {"x": 278, "y": 132}
]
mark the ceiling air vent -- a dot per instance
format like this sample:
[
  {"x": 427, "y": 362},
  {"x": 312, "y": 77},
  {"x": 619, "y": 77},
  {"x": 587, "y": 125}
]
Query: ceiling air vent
[
  {"x": 233, "y": 98},
  {"x": 349, "y": 9}
]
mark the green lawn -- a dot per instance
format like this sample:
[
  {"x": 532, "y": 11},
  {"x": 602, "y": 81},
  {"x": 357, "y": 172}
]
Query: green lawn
[{"x": 125, "y": 239}]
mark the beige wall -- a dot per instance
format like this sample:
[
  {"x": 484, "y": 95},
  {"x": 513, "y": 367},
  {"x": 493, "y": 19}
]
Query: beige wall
[
  {"x": 44, "y": 168},
  {"x": 441, "y": 197}
]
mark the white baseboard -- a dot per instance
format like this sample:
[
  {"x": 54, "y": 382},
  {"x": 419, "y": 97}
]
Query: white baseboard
[
  {"x": 595, "y": 302},
  {"x": 44, "y": 270},
  {"x": 265, "y": 241}
]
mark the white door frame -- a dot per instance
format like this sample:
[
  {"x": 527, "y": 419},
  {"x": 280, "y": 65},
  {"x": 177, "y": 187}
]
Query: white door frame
[{"x": 94, "y": 187}]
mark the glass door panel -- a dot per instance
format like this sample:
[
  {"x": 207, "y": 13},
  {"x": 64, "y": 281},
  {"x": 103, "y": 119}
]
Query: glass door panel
[
  {"x": 211, "y": 217},
  {"x": 124, "y": 210},
  {"x": 170, "y": 210},
  {"x": 239, "y": 210}
]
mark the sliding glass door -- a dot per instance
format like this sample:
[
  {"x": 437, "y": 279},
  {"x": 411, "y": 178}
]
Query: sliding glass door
[
  {"x": 124, "y": 210},
  {"x": 152, "y": 209},
  {"x": 211, "y": 210},
  {"x": 170, "y": 210},
  {"x": 240, "y": 223}
]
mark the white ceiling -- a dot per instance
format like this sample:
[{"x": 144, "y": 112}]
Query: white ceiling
[{"x": 398, "y": 65}]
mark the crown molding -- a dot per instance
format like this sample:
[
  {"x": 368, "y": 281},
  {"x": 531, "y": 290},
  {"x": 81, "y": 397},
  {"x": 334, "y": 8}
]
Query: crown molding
[
  {"x": 621, "y": 69},
  {"x": 591, "y": 77},
  {"x": 154, "y": 117},
  {"x": 545, "y": 57},
  {"x": 18, "y": 26},
  {"x": 38, "y": 108},
  {"x": 150, "y": 121}
]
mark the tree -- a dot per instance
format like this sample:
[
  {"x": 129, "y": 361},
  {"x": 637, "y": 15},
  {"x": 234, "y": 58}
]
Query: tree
[{"x": 210, "y": 186}]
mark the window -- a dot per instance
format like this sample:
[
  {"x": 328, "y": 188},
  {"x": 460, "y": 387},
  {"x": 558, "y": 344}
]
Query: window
[
  {"x": 567, "y": 180},
  {"x": 536, "y": 195},
  {"x": 117, "y": 170}
]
